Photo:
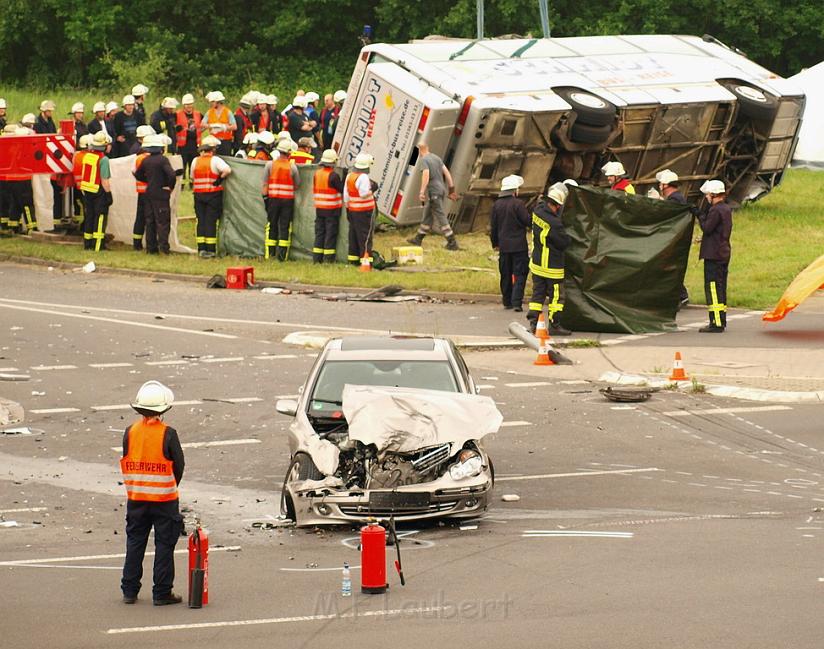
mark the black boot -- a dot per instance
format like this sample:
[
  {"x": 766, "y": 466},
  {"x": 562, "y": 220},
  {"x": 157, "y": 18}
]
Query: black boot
[
  {"x": 417, "y": 239},
  {"x": 555, "y": 329},
  {"x": 452, "y": 243}
]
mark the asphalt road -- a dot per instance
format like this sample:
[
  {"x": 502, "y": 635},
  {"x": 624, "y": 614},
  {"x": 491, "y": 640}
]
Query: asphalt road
[{"x": 657, "y": 524}]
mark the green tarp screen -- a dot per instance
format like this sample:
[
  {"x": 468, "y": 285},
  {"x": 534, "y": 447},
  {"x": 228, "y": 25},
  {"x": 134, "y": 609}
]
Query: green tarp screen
[
  {"x": 626, "y": 262},
  {"x": 243, "y": 226}
]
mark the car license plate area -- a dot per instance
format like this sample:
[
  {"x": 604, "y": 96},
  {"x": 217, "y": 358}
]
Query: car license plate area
[{"x": 398, "y": 501}]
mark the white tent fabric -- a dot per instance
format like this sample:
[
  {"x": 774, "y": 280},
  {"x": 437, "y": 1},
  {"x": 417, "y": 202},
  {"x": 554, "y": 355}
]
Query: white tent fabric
[
  {"x": 809, "y": 151},
  {"x": 124, "y": 196}
]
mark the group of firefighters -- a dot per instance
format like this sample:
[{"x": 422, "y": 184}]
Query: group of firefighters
[{"x": 510, "y": 221}]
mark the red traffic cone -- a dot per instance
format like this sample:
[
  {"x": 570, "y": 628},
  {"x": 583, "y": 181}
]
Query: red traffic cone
[
  {"x": 678, "y": 373},
  {"x": 544, "y": 348},
  {"x": 365, "y": 263}
]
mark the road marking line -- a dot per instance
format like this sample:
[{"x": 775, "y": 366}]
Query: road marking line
[
  {"x": 228, "y": 359},
  {"x": 23, "y": 509},
  {"x": 540, "y": 534},
  {"x": 126, "y": 406},
  {"x": 130, "y": 323},
  {"x": 243, "y": 399},
  {"x": 723, "y": 411},
  {"x": 528, "y": 384},
  {"x": 574, "y": 475},
  {"x": 157, "y": 363},
  {"x": 510, "y": 424},
  {"x": 281, "y": 620},
  {"x": 95, "y": 557},
  {"x": 287, "y": 396},
  {"x": 48, "y": 368},
  {"x": 118, "y": 568},
  {"x": 103, "y": 365},
  {"x": 221, "y": 442},
  {"x": 335, "y": 569},
  {"x": 52, "y": 411},
  {"x": 8, "y": 369},
  {"x": 273, "y": 357}
]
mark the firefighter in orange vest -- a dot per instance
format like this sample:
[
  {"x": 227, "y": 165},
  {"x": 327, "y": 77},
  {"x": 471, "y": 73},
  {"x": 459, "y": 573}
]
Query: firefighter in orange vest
[
  {"x": 303, "y": 155},
  {"x": 187, "y": 132},
  {"x": 208, "y": 173},
  {"x": 263, "y": 146},
  {"x": 152, "y": 467},
  {"x": 220, "y": 122},
  {"x": 19, "y": 197},
  {"x": 359, "y": 198},
  {"x": 280, "y": 180},
  {"x": 77, "y": 163},
  {"x": 328, "y": 192},
  {"x": 616, "y": 177},
  {"x": 95, "y": 183},
  {"x": 139, "y": 228}
]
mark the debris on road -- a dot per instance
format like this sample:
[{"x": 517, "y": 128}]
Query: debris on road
[
  {"x": 627, "y": 394},
  {"x": 510, "y": 498},
  {"x": 14, "y": 377},
  {"x": 24, "y": 430},
  {"x": 89, "y": 268}
]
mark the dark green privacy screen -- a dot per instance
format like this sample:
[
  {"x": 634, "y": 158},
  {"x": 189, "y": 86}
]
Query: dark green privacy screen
[
  {"x": 626, "y": 262},
  {"x": 243, "y": 226}
]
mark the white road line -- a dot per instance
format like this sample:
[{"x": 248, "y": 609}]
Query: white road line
[
  {"x": 232, "y": 359},
  {"x": 126, "y": 406},
  {"x": 574, "y": 475},
  {"x": 175, "y": 362},
  {"x": 722, "y": 411},
  {"x": 281, "y": 620},
  {"x": 540, "y": 534},
  {"x": 130, "y": 323},
  {"x": 335, "y": 569},
  {"x": 273, "y": 357},
  {"x": 528, "y": 384},
  {"x": 8, "y": 369},
  {"x": 52, "y": 411},
  {"x": 104, "y": 365},
  {"x": 511, "y": 424},
  {"x": 221, "y": 442},
  {"x": 287, "y": 396},
  {"x": 96, "y": 557},
  {"x": 48, "y": 368},
  {"x": 243, "y": 399},
  {"x": 23, "y": 509}
]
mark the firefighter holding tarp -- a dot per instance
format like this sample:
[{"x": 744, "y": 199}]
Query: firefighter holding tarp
[
  {"x": 208, "y": 173},
  {"x": 617, "y": 177},
  {"x": 328, "y": 195},
  {"x": 280, "y": 180},
  {"x": 716, "y": 224},
  {"x": 549, "y": 240},
  {"x": 668, "y": 188},
  {"x": 359, "y": 198}
]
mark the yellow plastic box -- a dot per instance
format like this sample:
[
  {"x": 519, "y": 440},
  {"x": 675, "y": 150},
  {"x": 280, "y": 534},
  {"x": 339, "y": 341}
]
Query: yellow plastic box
[{"x": 407, "y": 255}]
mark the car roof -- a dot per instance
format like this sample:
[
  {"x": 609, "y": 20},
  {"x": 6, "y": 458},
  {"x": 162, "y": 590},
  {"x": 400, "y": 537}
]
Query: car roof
[
  {"x": 388, "y": 348},
  {"x": 363, "y": 343}
]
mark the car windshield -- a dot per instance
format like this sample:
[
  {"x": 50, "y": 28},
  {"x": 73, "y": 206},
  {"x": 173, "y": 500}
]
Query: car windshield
[{"x": 430, "y": 375}]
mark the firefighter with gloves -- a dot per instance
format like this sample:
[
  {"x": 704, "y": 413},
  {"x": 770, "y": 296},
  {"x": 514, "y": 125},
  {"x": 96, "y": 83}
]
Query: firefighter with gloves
[
  {"x": 716, "y": 225},
  {"x": 152, "y": 467},
  {"x": 359, "y": 198},
  {"x": 549, "y": 240},
  {"x": 328, "y": 195},
  {"x": 95, "y": 183}
]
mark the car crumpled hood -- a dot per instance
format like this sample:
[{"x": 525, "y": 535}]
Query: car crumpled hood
[{"x": 404, "y": 420}]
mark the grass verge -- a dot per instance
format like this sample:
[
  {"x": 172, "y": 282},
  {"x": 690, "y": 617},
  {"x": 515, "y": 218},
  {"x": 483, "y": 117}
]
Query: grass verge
[{"x": 772, "y": 241}]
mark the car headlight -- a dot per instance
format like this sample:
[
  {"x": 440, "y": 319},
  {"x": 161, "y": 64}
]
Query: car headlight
[{"x": 469, "y": 465}]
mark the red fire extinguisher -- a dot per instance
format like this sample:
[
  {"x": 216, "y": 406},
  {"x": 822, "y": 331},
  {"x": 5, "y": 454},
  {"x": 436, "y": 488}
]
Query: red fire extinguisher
[
  {"x": 373, "y": 557},
  {"x": 198, "y": 568}
]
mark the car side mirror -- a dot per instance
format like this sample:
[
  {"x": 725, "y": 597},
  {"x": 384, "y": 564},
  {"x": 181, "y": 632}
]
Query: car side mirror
[{"x": 288, "y": 407}]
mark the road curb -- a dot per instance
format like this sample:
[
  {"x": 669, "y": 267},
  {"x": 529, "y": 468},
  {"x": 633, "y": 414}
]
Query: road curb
[
  {"x": 730, "y": 391},
  {"x": 445, "y": 296}
]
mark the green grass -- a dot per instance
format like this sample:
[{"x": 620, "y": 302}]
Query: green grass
[{"x": 772, "y": 241}]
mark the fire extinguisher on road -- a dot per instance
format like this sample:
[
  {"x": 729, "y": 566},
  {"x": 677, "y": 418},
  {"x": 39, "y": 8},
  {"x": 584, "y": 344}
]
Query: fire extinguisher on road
[
  {"x": 373, "y": 557},
  {"x": 198, "y": 568}
]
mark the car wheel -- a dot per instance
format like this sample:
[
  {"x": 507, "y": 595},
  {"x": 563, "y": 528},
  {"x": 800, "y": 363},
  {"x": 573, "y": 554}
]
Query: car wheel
[
  {"x": 589, "y": 108},
  {"x": 304, "y": 469},
  {"x": 586, "y": 134},
  {"x": 754, "y": 103}
]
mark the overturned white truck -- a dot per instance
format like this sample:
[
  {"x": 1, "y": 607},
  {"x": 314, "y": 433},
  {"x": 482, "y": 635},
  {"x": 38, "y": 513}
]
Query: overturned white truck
[{"x": 550, "y": 109}]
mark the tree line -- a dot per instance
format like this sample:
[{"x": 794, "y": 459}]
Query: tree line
[{"x": 111, "y": 44}]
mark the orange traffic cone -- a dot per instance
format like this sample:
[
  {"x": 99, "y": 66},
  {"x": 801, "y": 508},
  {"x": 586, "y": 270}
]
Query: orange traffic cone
[
  {"x": 365, "y": 263},
  {"x": 678, "y": 373},
  {"x": 542, "y": 335}
]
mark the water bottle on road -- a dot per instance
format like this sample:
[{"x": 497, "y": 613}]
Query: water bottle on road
[{"x": 346, "y": 583}]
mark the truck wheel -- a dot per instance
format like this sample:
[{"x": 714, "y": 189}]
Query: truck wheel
[
  {"x": 753, "y": 102},
  {"x": 586, "y": 134},
  {"x": 589, "y": 108}
]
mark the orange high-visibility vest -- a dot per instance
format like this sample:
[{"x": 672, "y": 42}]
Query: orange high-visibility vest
[
  {"x": 326, "y": 196},
  {"x": 203, "y": 177},
  {"x": 77, "y": 166},
  {"x": 90, "y": 171},
  {"x": 259, "y": 154},
  {"x": 301, "y": 157},
  {"x": 263, "y": 122},
  {"x": 183, "y": 120},
  {"x": 213, "y": 118},
  {"x": 281, "y": 184},
  {"x": 356, "y": 203},
  {"x": 139, "y": 185},
  {"x": 147, "y": 473}
]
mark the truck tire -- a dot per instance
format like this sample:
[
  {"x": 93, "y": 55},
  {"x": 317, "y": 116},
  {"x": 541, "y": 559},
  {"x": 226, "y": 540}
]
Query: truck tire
[
  {"x": 586, "y": 134},
  {"x": 589, "y": 108},
  {"x": 754, "y": 103}
]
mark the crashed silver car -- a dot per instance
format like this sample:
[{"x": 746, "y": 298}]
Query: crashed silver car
[{"x": 388, "y": 426}]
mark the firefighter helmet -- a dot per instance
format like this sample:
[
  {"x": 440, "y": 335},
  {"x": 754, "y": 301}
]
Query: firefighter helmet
[
  {"x": 188, "y": 99},
  {"x": 339, "y": 96},
  {"x": 153, "y": 397},
  {"x": 46, "y": 104},
  {"x": 364, "y": 161},
  {"x": 511, "y": 183},
  {"x": 329, "y": 157},
  {"x": 666, "y": 177},
  {"x": 713, "y": 187},
  {"x": 613, "y": 169}
]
